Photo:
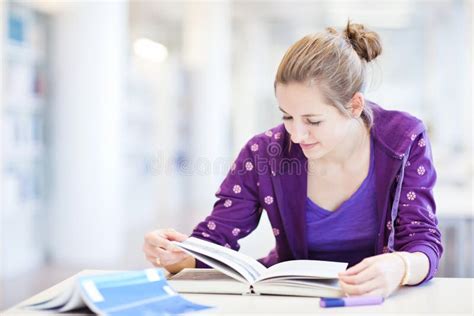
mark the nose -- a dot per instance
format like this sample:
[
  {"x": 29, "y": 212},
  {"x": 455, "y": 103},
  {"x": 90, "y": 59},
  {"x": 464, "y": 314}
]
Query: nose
[{"x": 299, "y": 133}]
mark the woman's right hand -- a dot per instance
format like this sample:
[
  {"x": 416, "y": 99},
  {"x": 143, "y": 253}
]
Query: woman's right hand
[{"x": 161, "y": 252}]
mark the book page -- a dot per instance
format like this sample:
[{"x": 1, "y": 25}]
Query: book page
[
  {"x": 208, "y": 281},
  {"x": 199, "y": 274},
  {"x": 315, "y": 269},
  {"x": 248, "y": 267},
  {"x": 315, "y": 290},
  {"x": 58, "y": 301},
  {"x": 306, "y": 283},
  {"x": 74, "y": 302},
  {"x": 218, "y": 265}
]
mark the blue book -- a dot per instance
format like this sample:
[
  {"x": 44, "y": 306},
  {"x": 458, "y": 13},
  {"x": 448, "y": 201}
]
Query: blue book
[{"x": 124, "y": 293}]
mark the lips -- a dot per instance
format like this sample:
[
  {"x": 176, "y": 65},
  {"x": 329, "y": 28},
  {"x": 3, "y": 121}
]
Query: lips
[{"x": 308, "y": 146}]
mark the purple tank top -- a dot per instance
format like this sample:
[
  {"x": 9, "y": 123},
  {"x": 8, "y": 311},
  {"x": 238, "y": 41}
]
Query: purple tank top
[{"x": 347, "y": 234}]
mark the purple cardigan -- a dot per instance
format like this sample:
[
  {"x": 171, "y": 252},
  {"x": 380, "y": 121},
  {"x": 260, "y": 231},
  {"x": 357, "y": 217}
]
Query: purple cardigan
[{"x": 270, "y": 175}]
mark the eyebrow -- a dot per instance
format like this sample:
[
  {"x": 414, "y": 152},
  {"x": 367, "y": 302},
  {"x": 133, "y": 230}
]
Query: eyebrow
[{"x": 305, "y": 115}]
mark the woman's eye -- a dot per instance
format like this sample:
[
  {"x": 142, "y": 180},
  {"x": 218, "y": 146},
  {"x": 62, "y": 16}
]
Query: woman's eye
[
  {"x": 314, "y": 123},
  {"x": 286, "y": 117}
]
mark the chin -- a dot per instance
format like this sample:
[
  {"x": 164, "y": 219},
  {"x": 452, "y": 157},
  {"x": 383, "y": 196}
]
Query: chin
[{"x": 314, "y": 154}]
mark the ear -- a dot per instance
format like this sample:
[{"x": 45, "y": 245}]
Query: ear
[{"x": 357, "y": 104}]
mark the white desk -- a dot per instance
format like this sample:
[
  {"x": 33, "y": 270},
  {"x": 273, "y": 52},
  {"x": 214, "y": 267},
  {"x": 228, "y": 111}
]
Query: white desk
[{"x": 445, "y": 296}]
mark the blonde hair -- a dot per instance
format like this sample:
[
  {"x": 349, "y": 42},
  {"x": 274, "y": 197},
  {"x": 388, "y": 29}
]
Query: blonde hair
[{"x": 335, "y": 62}]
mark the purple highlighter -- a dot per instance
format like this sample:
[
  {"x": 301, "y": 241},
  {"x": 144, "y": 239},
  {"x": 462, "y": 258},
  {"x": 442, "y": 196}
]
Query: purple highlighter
[{"x": 351, "y": 301}]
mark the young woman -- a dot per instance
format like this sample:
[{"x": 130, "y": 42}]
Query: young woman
[{"x": 342, "y": 179}]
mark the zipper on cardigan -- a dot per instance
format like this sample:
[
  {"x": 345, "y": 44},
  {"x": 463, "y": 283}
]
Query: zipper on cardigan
[{"x": 381, "y": 241}]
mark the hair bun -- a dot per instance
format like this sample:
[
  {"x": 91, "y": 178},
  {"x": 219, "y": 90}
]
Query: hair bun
[{"x": 366, "y": 43}]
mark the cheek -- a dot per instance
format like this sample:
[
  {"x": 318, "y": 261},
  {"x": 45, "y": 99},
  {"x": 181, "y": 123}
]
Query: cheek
[
  {"x": 334, "y": 135},
  {"x": 322, "y": 134},
  {"x": 328, "y": 136}
]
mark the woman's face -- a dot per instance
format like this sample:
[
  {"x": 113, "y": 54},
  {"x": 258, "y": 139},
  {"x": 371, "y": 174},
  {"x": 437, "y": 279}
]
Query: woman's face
[{"x": 317, "y": 127}]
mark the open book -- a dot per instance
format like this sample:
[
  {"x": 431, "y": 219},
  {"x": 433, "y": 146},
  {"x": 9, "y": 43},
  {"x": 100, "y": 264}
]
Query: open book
[
  {"x": 296, "y": 277},
  {"x": 144, "y": 292}
]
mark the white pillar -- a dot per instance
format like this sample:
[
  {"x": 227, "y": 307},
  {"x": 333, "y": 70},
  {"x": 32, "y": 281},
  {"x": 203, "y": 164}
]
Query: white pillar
[
  {"x": 160, "y": 93},
  {"x": 89, "y": 63},
  {"x": 207, "y": 54},
  {"x": 255, "y": 108}
]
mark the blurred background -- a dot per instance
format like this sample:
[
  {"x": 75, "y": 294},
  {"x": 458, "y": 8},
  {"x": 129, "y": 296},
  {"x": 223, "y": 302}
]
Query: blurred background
[{"x": 119, "y": 117}]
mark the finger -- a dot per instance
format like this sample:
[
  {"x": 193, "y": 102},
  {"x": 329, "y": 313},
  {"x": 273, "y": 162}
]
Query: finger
[
  {"x": 155, "y": 261},
  {"x": 151, "y": 250},
  {"x": 172, "y": 234},
  {"x": 168, "y": 258},
  {"x": 154, "y": 251},
  {"x": 175, "y": 249},
  {"x": 359, "y": 289},
  {"x": 163, "y": 238},
  {"x": 160, "y": 239},
  {"x": 376, "y": 292},
  {"x": 364, "y": 264},
  {"x": 155, "y": 238},
  {"x": 359, "y": 278}
]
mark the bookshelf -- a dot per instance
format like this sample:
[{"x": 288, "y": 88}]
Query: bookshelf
[{"x": 23, "y": 162}]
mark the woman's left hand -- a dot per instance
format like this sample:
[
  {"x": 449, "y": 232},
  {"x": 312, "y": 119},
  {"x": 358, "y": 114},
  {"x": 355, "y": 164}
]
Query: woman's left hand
[{"x": 377, "y": 275}]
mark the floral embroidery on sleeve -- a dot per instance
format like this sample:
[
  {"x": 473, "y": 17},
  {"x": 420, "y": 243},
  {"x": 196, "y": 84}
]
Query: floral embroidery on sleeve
[
  {"x": 248, "y": 166},
  {"x": 237, "y": 189},
  {"x": 268, "y": 199},
  {"x": 421, "y": 170},
  {"x": 411, "y": 195},
  {"x": 228, "y": 203}
]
